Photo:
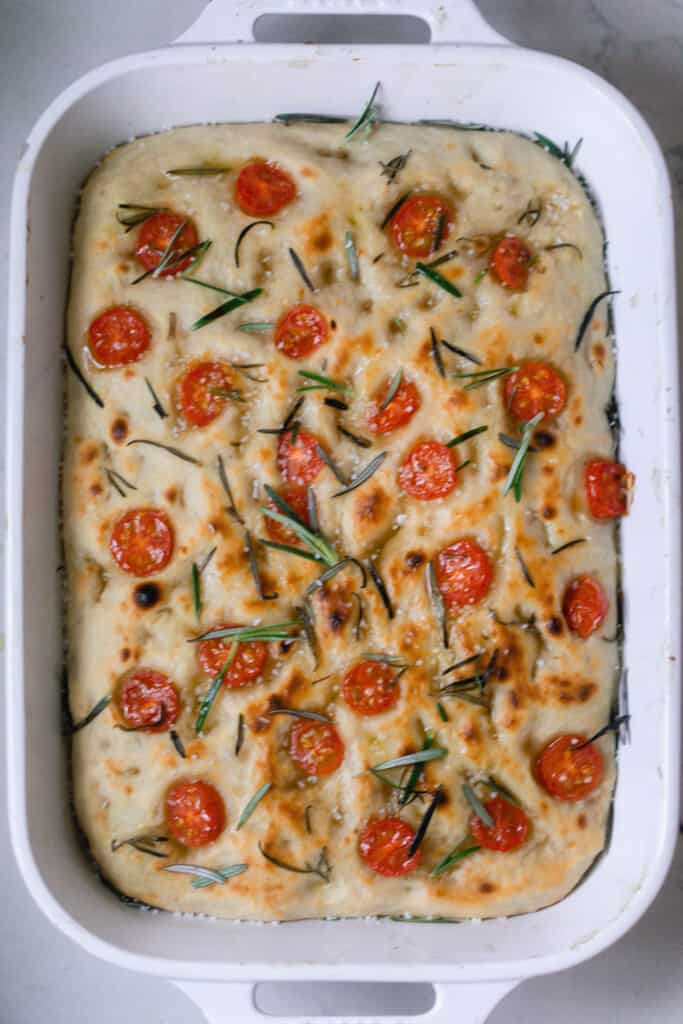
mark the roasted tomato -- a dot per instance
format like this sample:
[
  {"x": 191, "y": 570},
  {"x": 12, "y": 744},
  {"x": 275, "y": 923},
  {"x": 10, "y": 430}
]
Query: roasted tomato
[
  {"x": 371, "y": 687},
  {"x": 585, "y": 605},
  {"x": 510, "y": 263},
  {"x": 155, "y": 236},
  {"x": 316, "y": 747},
  {"x": 509, "y": 829},
  {"x": 415, "y": 225},
  {"x": 203, "y": 392},
  {"x": 536, "y": 387},
  {"x": 142, "y": 541},
  {"x": 300, "y": 462},
  {"x": 384, "y": 844},
  {"x": 118, "y": 336},
  {"x": 566, "y": 772},
  {"x": 429, "y": 471},
  {"x": 300, "y": 331},
  {"x": 195, "y": 813},
  {"x": 246, "y": 663},
  {"x": 148, "y": 700},
  {"x": 608, "y": 485},
  {"x": 263, "y": 189},
  {"x": 464, "y": 574},
  {"x": 383, "y": 419}
]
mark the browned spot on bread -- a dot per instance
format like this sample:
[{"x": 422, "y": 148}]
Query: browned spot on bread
[
  {"x": 599, "y": 355},
  {"x": 578, "y": 420},
  {"x": 470, "y": 733},
  {"x": 513, "y": 698},
  {"x": 95, "y": 488},
  {"x": 119, "y": 430},
  {"x": 318, "y": 234},
  {"x": 539, "y": 337},
  {"x": 293, "y": 684},
  {"x": 486, "y": 887},
  {"x": 549, "y": 512},
  {"x": 308, "y": 172},
  {"x": 366, "y": 306},
  {"x": 372, "y": 504},
  {"x": 171, "y": 493},
  {"x": 124, "y": 654},
  {"x": 147, "y": 595},
  {"x": 554, "y": 626},
  {"x": 123, "y": 267},
  {"x": 129, "y": 374},
  {"x": 414, "y": 559},
  {"x": 543, "y": 439},
  {"x": 581, "y": 821},
  {"x": 566, "y": 690},
  {"x": 548, "y": 470},
  {"x": 89, "y": 452}
]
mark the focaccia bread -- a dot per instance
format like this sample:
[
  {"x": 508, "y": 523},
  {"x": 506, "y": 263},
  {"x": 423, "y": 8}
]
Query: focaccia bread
[{"x": 398, "y": 269}]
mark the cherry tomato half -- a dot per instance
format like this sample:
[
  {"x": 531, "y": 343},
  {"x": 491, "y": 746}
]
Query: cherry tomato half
[
  {"x": 429, "y": 471},
  {"x": 535, "y": 387},
  {"x": 195, "y": 813},
  {"x": 118, "y": 336},
  {"x": 415, "y": 224},
  {"x": 585, "y": 605},
  {"x": 245, "y": 667},
  {"x": 155, "y": 236},
  {"x": 316, "y": 747},
  {"x": 384, "y": 845},
  {"x": 297, "y": 500},
  {"x": 607, "y": 488},
  {"x": 464, "y": 574},
  {"x": 510, "y": 263},
  {"x": 567, "y": 773},
  {"x": 371, "y": 687},
  {"x": 300, "y": 331},
  {"x": 204, "y": 391},
  {"x": 142, "y": 541},
  {"x": 148, "y": 700},
  {"x": 263, "y": 189},
  {"x": 398, "y": 411},
  {"x": 509, "y": 829},
  {"x": 300, "y": 462}
]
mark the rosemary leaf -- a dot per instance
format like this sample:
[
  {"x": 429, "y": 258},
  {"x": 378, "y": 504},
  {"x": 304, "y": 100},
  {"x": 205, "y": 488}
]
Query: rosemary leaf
[
  {"x": 257, "y": 325},
  {"x": 466, "y": 436},
  {"x": 418, "y": 757},
  {"x": 456, "y": 854},
  {"x": 392, "y": 168},
  {"x": 91, "y": 715},
  {"x": 438, "y": 279},
  {"x": 381, "y": 588},
  {"x": 367, "y": 117},
  {"x": 296, "y": 260},
  {"x": 421, "y": 832},
  {"x": 225, "y": 873},
  {"x": 178, "y": 743},
  {"x": 206, "y": 874},
  {"x": 436, "y": 353},
  {"x": 226, "y": 307},
  {"x": 252, "y": 805},
  {"x": 157, "y": 406},
  {"x": 204, "y": 171},
  {"x": 588, "y": 316},
  {"x": 254, "y": 569},
  {"x": 461, "y": 352},
  {"x": 514, "y": 479},
  {"x": 239, "y": 738},
  {"x": 223, "y": 477},
  {"x": 333, "y": 570},
  {"x": 523, "y": 566},
  {"x": 569, "y": 544},
  {"x": 481, "y": 377},
  {"x": 393, "y": 388},
  {"x": 360, "y": 442},
  {"x": 244, "y": 634},
  {"x": 326, "y": 383},
  {"x": 167, "y": 448},
  {"x": 394, "y": 209},
  {"x": 312, "y": 716},
  {"x": 244, "y": 232},
  {"x": 352, "y": 257},
  {"x": 321, "y": 868},
  {"x": 437, "y": 602},
  {"x": 196, "y": 591},
  {"x": 207, "y": 703},
  {"x": 476, "y": 805},
  {"x": 81, "y": 377},
  {"x": 363, "y": 475}
]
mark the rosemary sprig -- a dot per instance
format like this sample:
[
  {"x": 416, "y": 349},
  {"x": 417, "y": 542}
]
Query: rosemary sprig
[
  {"x": 334, "y": 403},
  {"x": 461, "y": 352},
  {"x": 394, "y": 209},
  {"x": 532, "y": 214},
  {"x": 225, "y": 873},
  {"x": 143, "y": 843},
  {"x": 207, "y": 703},
  {"x": 257, "y": 325},
  {"x": 363, "y": 475},
  {"x": 206, "y": 170},
  {"x": 392, "y": 389},
  {"x": 438, "y": 279},
  {"x": 323, "y": 383},
  {"x": 381, "y": 588},
  {"x": 244, "y": 232},
  {"x": 178, "y": 743},
  {"x": 392, "y": 168},
  {"x": 196, "y": 591},
  {"x": 169, "y": 256},
  {"x": 298, "y": 263},
  {"x": 321, "y": 868},
  {"x": 466, "y": 436},
  {"x": 82, "y": 378},
  {"x": 309, "y": 119},
  {"x": 523, "y": 566},
  {"x": 207, "y": 875},
  {"x": 210, "y": 287},
  {"x": 223, "y": 477},
  {"x": 437, "y": 603},
  {"x": 443, "y": 714},
  {"x": 614, "y": 725},
  {"x": 564, "y": 154},
  {"x": 167, "y": 448},
  {"x": 157, "y": 406},
  {"x": 333, "y": 570},
  {"x": 418, "y": 838},
  {"x": 438, "y": 233},
  {"x": 366, "y": 119},
  {"x": 569, "y": 544},
  {"x": 478, "y": 681},
  {"x": 412, "y": 279},
  {"x": 588, "y": 316},
  {"x": 481, "y": 377},
  {"x": 245, "y": 634},
  {"x": 331, "y": 465},
  {"x": 138, "y": 214},
  {"x": 360, "y": 442},
  {"x": 456, "y": 854},
  {"x": 316, "y": 544},
  {"x": 312, "y": 716},
  {"x": 252, "y": 805},
  {"x": 564, "y": 245},
  {"x": 476, "y": 805},
  {"x": 418, "y": 757},
  {"x": 352, "y": 256},
  {"x": 461, "y": 663},
  {"x": 514, "y": 479},
  {"x": 239, "y": 738},
  {"x": 91, "y": 715},
  {"x": 436, "y": 353},
  {"x": 118, "y": 482},
  {"x": 254, "y": 569},
  {"x": 226, "y": 307}
]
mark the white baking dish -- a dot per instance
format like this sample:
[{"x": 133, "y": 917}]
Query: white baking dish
[{"x": 482, "y": 80}]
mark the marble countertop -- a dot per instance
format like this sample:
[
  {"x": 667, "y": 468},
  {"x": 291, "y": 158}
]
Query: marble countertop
[{"x": 638, "y": 47}]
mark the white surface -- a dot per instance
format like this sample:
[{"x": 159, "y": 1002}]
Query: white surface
[{"x": 75, "y": 1007}]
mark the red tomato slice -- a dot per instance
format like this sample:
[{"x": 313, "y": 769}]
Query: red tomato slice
[
  {"x": 300, "y": 462},
  {"x": 415, "y": 224},
  {"x": 371, "y": 687},
  {"x": 263, "y": 189},
  {"x": 607, "y": 488},
  {"x": 535, "y": 388},
  {"x": 297, "y": 500},
  {"x": 399, "y": 410},
  {"x": 118, "y": 336},
  {"x": 464, "y": 574},
  {"x": 510, "y": 263},
  {"x": 429, "y": 471},
  {"x": 203, "y": 392},
  {"x": 509, "y": 830},
  {"x": 316, "y": 747},
  {"x": 195, "y": 813},
  {"x": 142, "y": 541},
  {"x": 585, "y": 605},
  {"x": 567, "y": 773},
  {"x": 384, "y": 845},
  {"x": 300, "y": 331},
  {"x": 155, "y": 235},
  {"x": 148, "y": 700},
  {"x": 246, "y": 666}
]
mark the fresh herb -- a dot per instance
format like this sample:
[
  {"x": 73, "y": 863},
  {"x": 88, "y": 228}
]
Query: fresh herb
[
  {"x": 418, "y": 757},
  {"x": 307, "y": 819},
  {"x": 321, "y": 868},
  {"x": 359, "y": 618},
  {"x": 569, "y": 544},
  {"x": 437, "y": 602},
  {"x": 366, "y": 119},
  {"x": 393, "y": 167},
  {"x": 312, "y": 716},
  {"x": 466, "y": 436},
  {"x": 178, "y": 743},
  {"x": 393, "y": 388},
  {"x": 81, "y": 376},
  {"x": 210, "y": 287},
  {"x": 394, "y": 209},
  {"x": 461, "y": 663},
  {"x": 477, "y": 682},
  {"x": 137, "y": 215},
  {"x": 226, "y": 307},
  {"x": 436, "y": 353},
  {"x": 456, "y": 854},
  {"x": 381, "y": 588},
  {"x": 167, "y": 448},
  {"x": 169, "y": 256},
  {"x": 91, "y": 715},
  {"x": 443, "y": 714},
  {"x": 205, "y": 874},
  {"x": 244, "y": 232},
  {"x": 481, "y": 275},
  {"x": 477, "y": 806},
  {"x": 118, "y": 482},
  {"x": 322, "y": 383},
  {"x": 290, "y": 416},
  {"x": 588, "y": 316},
  {"x": 378, "y": 257},
  {"x": 411, "y": 281},
  {"x": 204, "y": 171},
  {"x": 352, "y": 256},
  {"x": 244, "y": 368},
  {"x": 309, "y": 630},
  {"x": 438, "y": 279},
  {"x": 207, "y": 703},
  {"x": 363, "y": 475},
  {"x": 564, "y": 154},
  {"x": 512, "y": 442},
  {"x": 438, "y": 233},
  {"x": 245, "y": 634},
  {"x": 239, "y": 738},
  {"x": 481, "y": 377},
  {"x": 514, "y": 480},
  {"x": 309, "y": 119},
  {"x": 360, "y": 442},
  {"x": 334, "y": 403},
  {"x": 225, "y": 873},
  {"x": 223, "y": 477},
  {"x": 251, "y": 806},
  {"x": 312, "y": 509},
  {"x": 333, "y": 570},
  {"x": 296, "y": 260},
  {"x": 564, "y": 245},
  {"x": 329, "y": 462},
  {"x": 418, "y": 838},
  {"x": 523, "y": 566},
  {"x": 254, "y": 569},
  {"x": 461, "y": 126},
  {"x": 387, "y": 659},
  {"x": 157, "y": 406},
  {"x": 409, "y": 789},
  {"x": 614, "y": 725},
  {"x": 196, "y": 591},
  {"x": 257, "y": 325},
  {"x": 532, "y": 214},
  {"x": 320, "y": 550},
  {"x": 461, "y": 352},
  {"x": 144, "y": 843}
]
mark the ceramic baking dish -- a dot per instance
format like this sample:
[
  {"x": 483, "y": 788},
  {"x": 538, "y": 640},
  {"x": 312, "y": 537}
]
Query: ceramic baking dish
[{"x": 468, "y": 73}]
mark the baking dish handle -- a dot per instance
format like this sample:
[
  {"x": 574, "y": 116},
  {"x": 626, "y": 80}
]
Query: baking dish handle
[
  {"x": 233, "y": 1003},
  {"x": 232, "y": 21}
]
